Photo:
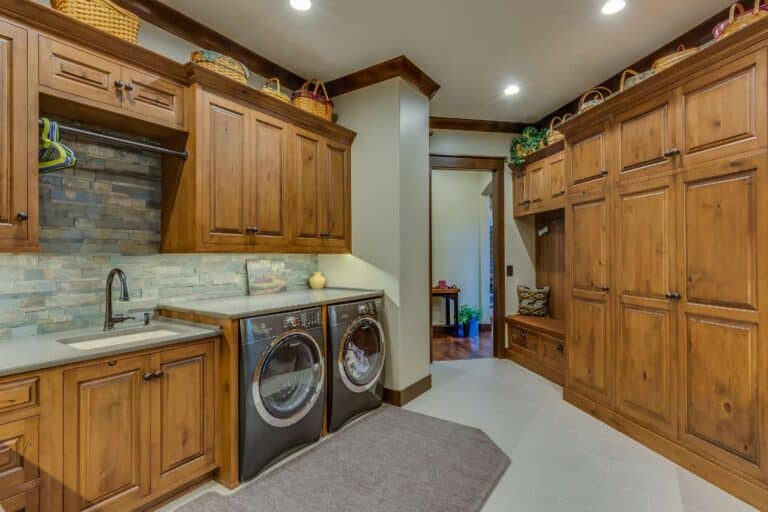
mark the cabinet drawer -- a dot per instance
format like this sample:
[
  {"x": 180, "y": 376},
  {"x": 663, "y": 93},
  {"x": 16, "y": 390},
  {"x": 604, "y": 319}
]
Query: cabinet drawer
[
  {"x": 18, "y": 454},
  {"x": 74, "y": 71},
  {"x": 149, "y": 96},
  {"x": 553, "y": 353},
  {"x": 523, "y": 338},
  {"x": 28, "y": 501},
  {"x": 18, "y": 395}
]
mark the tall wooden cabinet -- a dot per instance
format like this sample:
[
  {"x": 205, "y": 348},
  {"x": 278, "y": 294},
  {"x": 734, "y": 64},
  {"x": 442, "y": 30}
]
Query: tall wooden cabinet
[
  {"x": 666, "y": 242},
  {"x": 18, "y": 174}
]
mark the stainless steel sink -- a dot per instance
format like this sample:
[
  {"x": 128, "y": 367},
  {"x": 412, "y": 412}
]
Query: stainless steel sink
[{"x": 122, "y": 337}]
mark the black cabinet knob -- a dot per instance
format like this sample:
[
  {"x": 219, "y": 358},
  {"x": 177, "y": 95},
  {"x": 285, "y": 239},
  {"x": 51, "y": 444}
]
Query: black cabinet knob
[
  {"x": 148, "y": 376},
  {"x": 672, "y": 152},
  {"x": 561, "y": 348},
  {"x": 119, "y": 84},
  {"x": 673, "y": 295},
  {"x": 129, "y": 86},
  {"x": 22, "y": 216},
  {"x": 158, "y": 374},
  {"x": 251, "y": 230}
]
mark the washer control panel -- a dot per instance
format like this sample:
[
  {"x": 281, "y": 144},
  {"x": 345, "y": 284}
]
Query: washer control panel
[{"x": 303, "y": 320}]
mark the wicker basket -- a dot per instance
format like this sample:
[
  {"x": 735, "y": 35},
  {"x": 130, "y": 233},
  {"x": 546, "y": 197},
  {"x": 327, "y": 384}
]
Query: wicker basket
[
  {"x": 276, "y": 91},
  {"x": 222, "y": 65},
  {"x": 312, "y": 101},
  {"x": 670, "y": 60},
  {"x": 739, "y": 20},
  {"x": 631, "y": 78},
  {"x": 594, "y": 98},
  {"x": 554, "y": 136},
  {"x": 103, "y": 15}
]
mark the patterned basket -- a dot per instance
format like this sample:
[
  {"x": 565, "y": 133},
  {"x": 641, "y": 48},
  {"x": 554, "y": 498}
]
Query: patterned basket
[
  {"x": 222, "y": 65},
  {"x": 103, "y": 15},
  {"x": 670, "y": 60},
  {"x": 311, "y": 101},
  {"x": 594, "y": 98},
  {"x": 276, "y": 91},
  {"x": 554, "y": 136},
  {"x": 737, "y": 21},
  {"x": 631, "y": 78}
]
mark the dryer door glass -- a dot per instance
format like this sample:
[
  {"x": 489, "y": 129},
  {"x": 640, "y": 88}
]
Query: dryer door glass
[
  {"x": 363, "y": 352},
  {"x": 291, "y": 377}
]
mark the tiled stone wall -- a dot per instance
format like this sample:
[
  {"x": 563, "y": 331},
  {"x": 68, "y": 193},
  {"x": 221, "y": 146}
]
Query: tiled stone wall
[{"x": 105, "y": 214}]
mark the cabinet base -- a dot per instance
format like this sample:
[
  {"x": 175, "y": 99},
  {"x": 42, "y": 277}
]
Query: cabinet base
[
  {"x": 747, "y": 490},
  {"x": 532, "y": 363}
]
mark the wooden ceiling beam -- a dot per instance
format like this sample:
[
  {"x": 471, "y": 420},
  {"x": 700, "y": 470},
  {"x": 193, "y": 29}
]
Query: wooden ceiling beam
[
  {"x": 398, "y": 67},
  {"x": 474, "y": 125}
]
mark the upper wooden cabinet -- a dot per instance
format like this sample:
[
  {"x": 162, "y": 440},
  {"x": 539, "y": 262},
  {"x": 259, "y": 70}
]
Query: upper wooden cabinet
[
  {"x": 71, "y": 72},
  {"x": 256, "y": 183},
  {"x": 540, "y": 186},
  {"x": 588, "y": 158},
  {"x": 18, "y": 143}
]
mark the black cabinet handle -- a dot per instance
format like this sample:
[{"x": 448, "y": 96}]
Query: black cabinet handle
[
  {"x": 22, "y": 216},
  {"x": 158, "y": 374},
  {"x": 325, "y": 234},
  {"x": 525, "y": 203},
  {"x": 604, "y": 172},
  {"x": 561, "y": 348},
  {"x": 672, "y": 152},
  {"x": 522, "y": 334},
  {"x": 119, "y": 84},
  {"x": 251, "y": 230},
  {"x": 148, "y": 376},
  {"x": 129, "y": 87},
  {"x": 605, "y": 289},
  {"x": 673, "y": 296}
]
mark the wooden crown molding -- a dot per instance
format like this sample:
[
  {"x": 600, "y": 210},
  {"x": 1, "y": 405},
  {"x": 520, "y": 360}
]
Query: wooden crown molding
[
  {"x": 474, "y": 125},
  {"x": 195, "y": 32},
  {"x": 697, "y": 36},
  {"x": 398, "y": 67},
  {"x": 466, "y": 162}
]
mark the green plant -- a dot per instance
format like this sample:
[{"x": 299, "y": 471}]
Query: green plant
[
  {"x": 531, "y": 140},
  {"x": 467, "y": 313}
]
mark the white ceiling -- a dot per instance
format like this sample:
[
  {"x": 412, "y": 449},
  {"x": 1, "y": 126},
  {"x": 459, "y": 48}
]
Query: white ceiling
[{"x": 555, "y": 49}]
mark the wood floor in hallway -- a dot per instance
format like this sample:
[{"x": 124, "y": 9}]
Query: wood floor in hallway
[{"x": 450, "y": 348}]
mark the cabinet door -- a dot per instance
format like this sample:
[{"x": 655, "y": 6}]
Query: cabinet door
[
  {"x": 307, "y": 163},
  {"x": 106, "y": 435},
  {"x": 153, "y": 98},
  {"x": 18, "y": 454},
  {"x": 522, "y": 198},
  {"x": 535, "y": 174},
  {"x": 589, "y": 348},
  {"x": 588, "y": 159},
  {"x": 266, "y": 182},
  {"x": 335, "y": 196},
  {"x": 222, "y": 154},
  {"x": 72, "y": 71},
  {"x": 645, "y": 139},
  {"x": 557, "y": 176},
  {"x": 723, "y": 357},
  {"x": 16, "y": 187},
  {"x": 723, "y": 111},
  {"x": 183, "y": 414},
  {"x": 645, "y": 304},
  {"x": 25, "y": 502}
]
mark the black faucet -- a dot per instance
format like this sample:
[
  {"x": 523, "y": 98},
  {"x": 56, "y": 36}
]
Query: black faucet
[{"x": 109, "y": 319}]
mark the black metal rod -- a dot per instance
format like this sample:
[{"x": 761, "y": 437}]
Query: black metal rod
[{"x": 117, "y": 141}]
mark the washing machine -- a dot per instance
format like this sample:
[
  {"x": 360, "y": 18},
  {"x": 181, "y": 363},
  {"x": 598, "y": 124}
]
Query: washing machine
[
  {"x": 355, "y": 360},
  {"x": 282, "y": 378}
]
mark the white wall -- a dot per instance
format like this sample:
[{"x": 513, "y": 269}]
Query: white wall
[
  {"x": 461, "y": 217},
  {"x": 520, "y": 241},
  {"x": 390, "y": 187}
]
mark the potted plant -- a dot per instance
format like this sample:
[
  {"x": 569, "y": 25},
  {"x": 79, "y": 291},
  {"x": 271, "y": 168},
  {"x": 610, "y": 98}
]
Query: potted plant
[{"x": 469, "y": 321}]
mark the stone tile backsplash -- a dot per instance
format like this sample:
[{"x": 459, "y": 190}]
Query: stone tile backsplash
[{"x": 105, "y": 213}]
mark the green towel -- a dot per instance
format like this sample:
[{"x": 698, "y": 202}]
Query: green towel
[{"x": 53, "y": 155}]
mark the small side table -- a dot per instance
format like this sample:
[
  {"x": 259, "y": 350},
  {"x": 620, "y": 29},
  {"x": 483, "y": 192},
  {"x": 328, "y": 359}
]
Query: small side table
[{"x": 449, "y": 294}]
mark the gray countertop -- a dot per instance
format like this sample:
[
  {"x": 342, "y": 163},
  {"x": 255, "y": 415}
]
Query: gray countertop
[
  {"x": 256, "y": 305},
  {"x": 33, "y": 353}
]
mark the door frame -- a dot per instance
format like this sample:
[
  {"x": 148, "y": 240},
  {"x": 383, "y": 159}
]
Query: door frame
[{"x": 496, "y": 166}]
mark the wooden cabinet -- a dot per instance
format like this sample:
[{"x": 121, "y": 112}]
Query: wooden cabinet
[
  {"x": 538, "y": 343},
  {"x": 536, "y": 179},
  {"x": 588, "y": 158},
  {"x": 18, "y": 143},
  {"x": 646, "y": 307},
  {"x": 556, "y": 176},
  {"x": 137, "y": 426},
  {"x": 540, "y": 186},
  {"x": 28, "y": 501},
  {"x": 522, "y": 196},
  {"x": 255, "y": 183},
  {"x": 70, "y": 72},
  {"x": 19, "y": 453}
]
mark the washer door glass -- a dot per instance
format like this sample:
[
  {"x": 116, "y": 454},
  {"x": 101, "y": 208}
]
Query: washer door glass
[
  {"x": 291, "y": 377},
  {"x": 363, "y": 352}
]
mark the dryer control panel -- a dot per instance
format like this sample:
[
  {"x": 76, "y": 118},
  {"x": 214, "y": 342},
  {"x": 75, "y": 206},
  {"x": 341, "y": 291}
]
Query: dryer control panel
[{"x": 303, "y": 320}]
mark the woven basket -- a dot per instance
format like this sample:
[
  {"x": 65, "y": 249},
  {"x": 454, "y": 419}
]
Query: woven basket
[
  {"x": 739, "y": 20},
  {"x": 312, "y": 101},
  {"x": 103, "y": 15},
  {"x": 670, "y": 60},
  {"x": 594, "y": 98},
  {"x": 554, "y": 136},
  {"x": 276, "y": 91},
  {"x": 222, "y": 65},
  {"x": 631, "y": 78}
]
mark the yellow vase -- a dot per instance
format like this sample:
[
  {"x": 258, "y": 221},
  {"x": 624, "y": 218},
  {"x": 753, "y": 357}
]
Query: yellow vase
[{"x": 317, "y": 281}]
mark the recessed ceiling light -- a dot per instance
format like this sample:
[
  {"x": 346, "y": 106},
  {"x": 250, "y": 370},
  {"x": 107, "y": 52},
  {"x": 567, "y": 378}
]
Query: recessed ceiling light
[
  {"x": 301, "y": 5},
  {"x": 613, "y": 6},
  {"x": 511, "y": 90}
]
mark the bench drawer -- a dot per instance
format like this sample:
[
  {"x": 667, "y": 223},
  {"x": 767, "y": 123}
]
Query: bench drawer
[
  {"x": 524, "y": 338},
  {"x": 553, "y": 353}
]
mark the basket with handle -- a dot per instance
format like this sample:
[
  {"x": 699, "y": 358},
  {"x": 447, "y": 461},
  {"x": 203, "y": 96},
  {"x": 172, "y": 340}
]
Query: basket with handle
[
  {"x": 554, "y": 136},
  {"x": 313, "y": 101},
  {"x": 630, "y": 78},
  {"x": 222, "y": 65},
  {"x": 594, "y": 97},
  {"x": 668, "y": 61},
  {"x": 272, "y": 88},
  {"x": 103, "y": 15},
  {"x": 739, "y": 19}
]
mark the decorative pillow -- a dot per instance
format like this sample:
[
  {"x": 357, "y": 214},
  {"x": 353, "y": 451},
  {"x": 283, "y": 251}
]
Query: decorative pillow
[{"x": 533, "y": 301}]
